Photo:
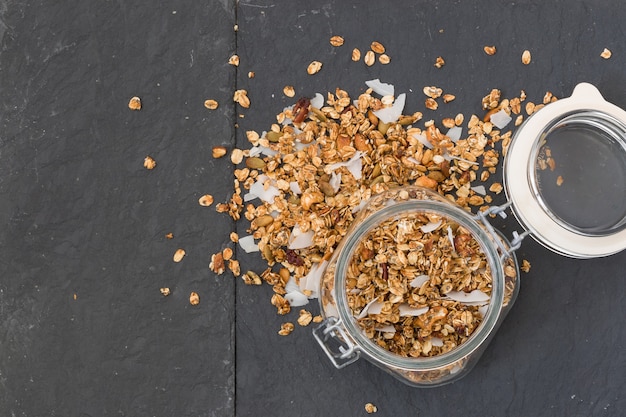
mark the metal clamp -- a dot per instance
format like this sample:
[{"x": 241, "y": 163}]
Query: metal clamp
[
  {"x": 514, "y": 244},
  {"x": 333, "y": 339}
]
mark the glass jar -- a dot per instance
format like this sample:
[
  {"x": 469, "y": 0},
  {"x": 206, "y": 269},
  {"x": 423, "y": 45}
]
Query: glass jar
[
  {"x": 543, "y": 149},
  {"x": 344, "y": 340}
]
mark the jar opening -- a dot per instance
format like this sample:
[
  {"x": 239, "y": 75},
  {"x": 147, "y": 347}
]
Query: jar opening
[{"x": 578, "y": 172}]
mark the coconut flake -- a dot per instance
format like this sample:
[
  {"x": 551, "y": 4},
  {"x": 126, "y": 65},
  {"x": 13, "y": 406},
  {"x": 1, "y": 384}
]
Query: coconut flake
[
  {"x": 299, "y": 239},
  {"x": 247, "y": 244},
  {"x": 354, "y": 165},
  {"x": 313, "y": 278},
  {"x": 386, "y": 329},
  {"x": 483, "y": 309},
  {"x": 423, "y": 139},
  {"x": 436, "y": 341},
  {"x": 419, "y": 281},
  {"x": 317, "y": 101},
  {"x": 500, "y": 119},
  {"x": 430, "y": 227},
  {"x": 373, "y": 307},
  {"x": 296, "y": 299},
  {"x": 358, "y": 208},
  {"x": 454, "y": 133},
  {"x": 382, "y": 89},
  {"x": 391, "y": 114},
  {"x": 475, "y": 296},
  {"x": 291, "y": 285},
  {"x": 450, "y": 236},
  {"x": 479, "y": 189},
  {"x": 406, "y": 310},
  {"x": 335, "y": 181},
  {"x": 259, "y": 190},
  {"x": 295, "y": 187}
]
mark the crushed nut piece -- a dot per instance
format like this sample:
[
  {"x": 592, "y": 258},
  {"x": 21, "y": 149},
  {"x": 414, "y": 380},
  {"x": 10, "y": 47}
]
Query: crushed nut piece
[
  {"x": 179, "y": 255},
  {"x": 606, "y": 53},
  {"x": 169, "y": 235},
  {"x": 217, "y": 263},
  {"x": 314, "y": 67},
  {"x": 251, "y": 74},
  {"x": 559, "y": 180},
  {"x": 336, "y": 40},
  {"x": 439, "y": 62},
  {"x": 149, "y": 162},
  {"x": 165, "y": 291},
  {"x": 526, "y": 57},
  {"x": 356, "y": 54},
  {"x": 134, "y": 103},
  {"x": 234, "y": 267},
  {"x": 194, "y": 298},
  {"x": 525, "y": 267}
]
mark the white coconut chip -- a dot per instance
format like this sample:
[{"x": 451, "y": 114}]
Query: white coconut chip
[
  {"x": 296, "y": 299},
  {"x": 386, "y": 329},
  {"x": 354, "y": 165},
  {"x": 299, "y": 239},
  {"x": 483, "y": 309},
  {"x": 423, "y": 139},
  {"x": 335, "y": 181},
  {"x": 430, "y": 227},
  {"x": 295, "y": 187},
  {"x": 450, "y": 236},
  {"x": 406, "y": 310},
  {"x": 291, "y": 285},
  {"x": 317, "y": 101},
  {"x": 380, "y": 88},
  {"x": 500, "y": 119},
  {"x": 454, "y": 133},
  {"x": 373, "y": 307},
  {"x": 419, "y": 280},
  {"x": 393, "y": 113},
  {"x": 358, "y": 208},
  {"x": 259, "y": 189},
  {"x": 479, "y": 189},
  {"x": 435, "y": 341},
  {"x": 311, "y": 281},
  {"x": 247, "y": 244},
  {"x": 475, "y": 296}
]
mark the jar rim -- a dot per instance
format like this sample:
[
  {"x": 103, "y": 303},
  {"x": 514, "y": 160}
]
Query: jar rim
[
  {"x": 521, "y": 189},
  {"x": 480, "y": 335}
]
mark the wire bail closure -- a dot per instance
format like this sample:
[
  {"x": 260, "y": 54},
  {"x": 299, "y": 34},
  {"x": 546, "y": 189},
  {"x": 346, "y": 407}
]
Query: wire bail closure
[
  {"x": 344, "y": 352},
  {"x": 515, "y": 243}
]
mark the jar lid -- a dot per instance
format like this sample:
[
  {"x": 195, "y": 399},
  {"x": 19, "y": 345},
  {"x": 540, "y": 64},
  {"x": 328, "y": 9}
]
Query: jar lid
[{"x": 565, "y": 175}]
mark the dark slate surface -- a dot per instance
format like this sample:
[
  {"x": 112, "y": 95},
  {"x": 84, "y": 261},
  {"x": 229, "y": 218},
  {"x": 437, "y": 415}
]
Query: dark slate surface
[{"x": 83, "y": 217}]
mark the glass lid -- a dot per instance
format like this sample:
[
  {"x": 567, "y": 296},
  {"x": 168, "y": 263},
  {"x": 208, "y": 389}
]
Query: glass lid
[{"x": 565, "y": 174}]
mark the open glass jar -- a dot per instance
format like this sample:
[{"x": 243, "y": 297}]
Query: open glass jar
[{"x": 418, "y": 286}]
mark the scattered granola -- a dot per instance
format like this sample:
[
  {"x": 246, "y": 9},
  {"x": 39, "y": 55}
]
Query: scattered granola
[
  {"x": 606, "y": 53},
  {"x": 525, "y": 267},
  {"x": 314, "y": 67},
  {"x": 206, "y": 200},
  {"x": 194, "y": 298},
  {"x": 370, "y": 408},
  {"x": 241, "y": 97},
  {"x": 219, "y": 151},
  {"x": 336, "y": 40},
  {"x": 370, "y": 58},
  {"x": 165, "y": 291},
  {"x": 356, "y": 54},
  {"x": 384, "y": 59},
  {"x": 217, "y": 263},
  {"x": 134, "y": 103},
  {"x": 289, "y": 91},
  {"x": 490, "y": 50},
  {"x": 179, "y": 255},
  {"x": 211, "y": 104},
  {"x": 234, "y": 60},
  {"x": 377, "y": 47},
  {"x": 526, "y": 57},
  {"x": 439, "y": 62},
  {"x": 149, "y": 162},
  {"x": 286, "y": 329}
]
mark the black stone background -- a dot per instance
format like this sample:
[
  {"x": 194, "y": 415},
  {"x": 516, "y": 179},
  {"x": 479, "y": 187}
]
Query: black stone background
[{"x": 81, "y": 216}]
